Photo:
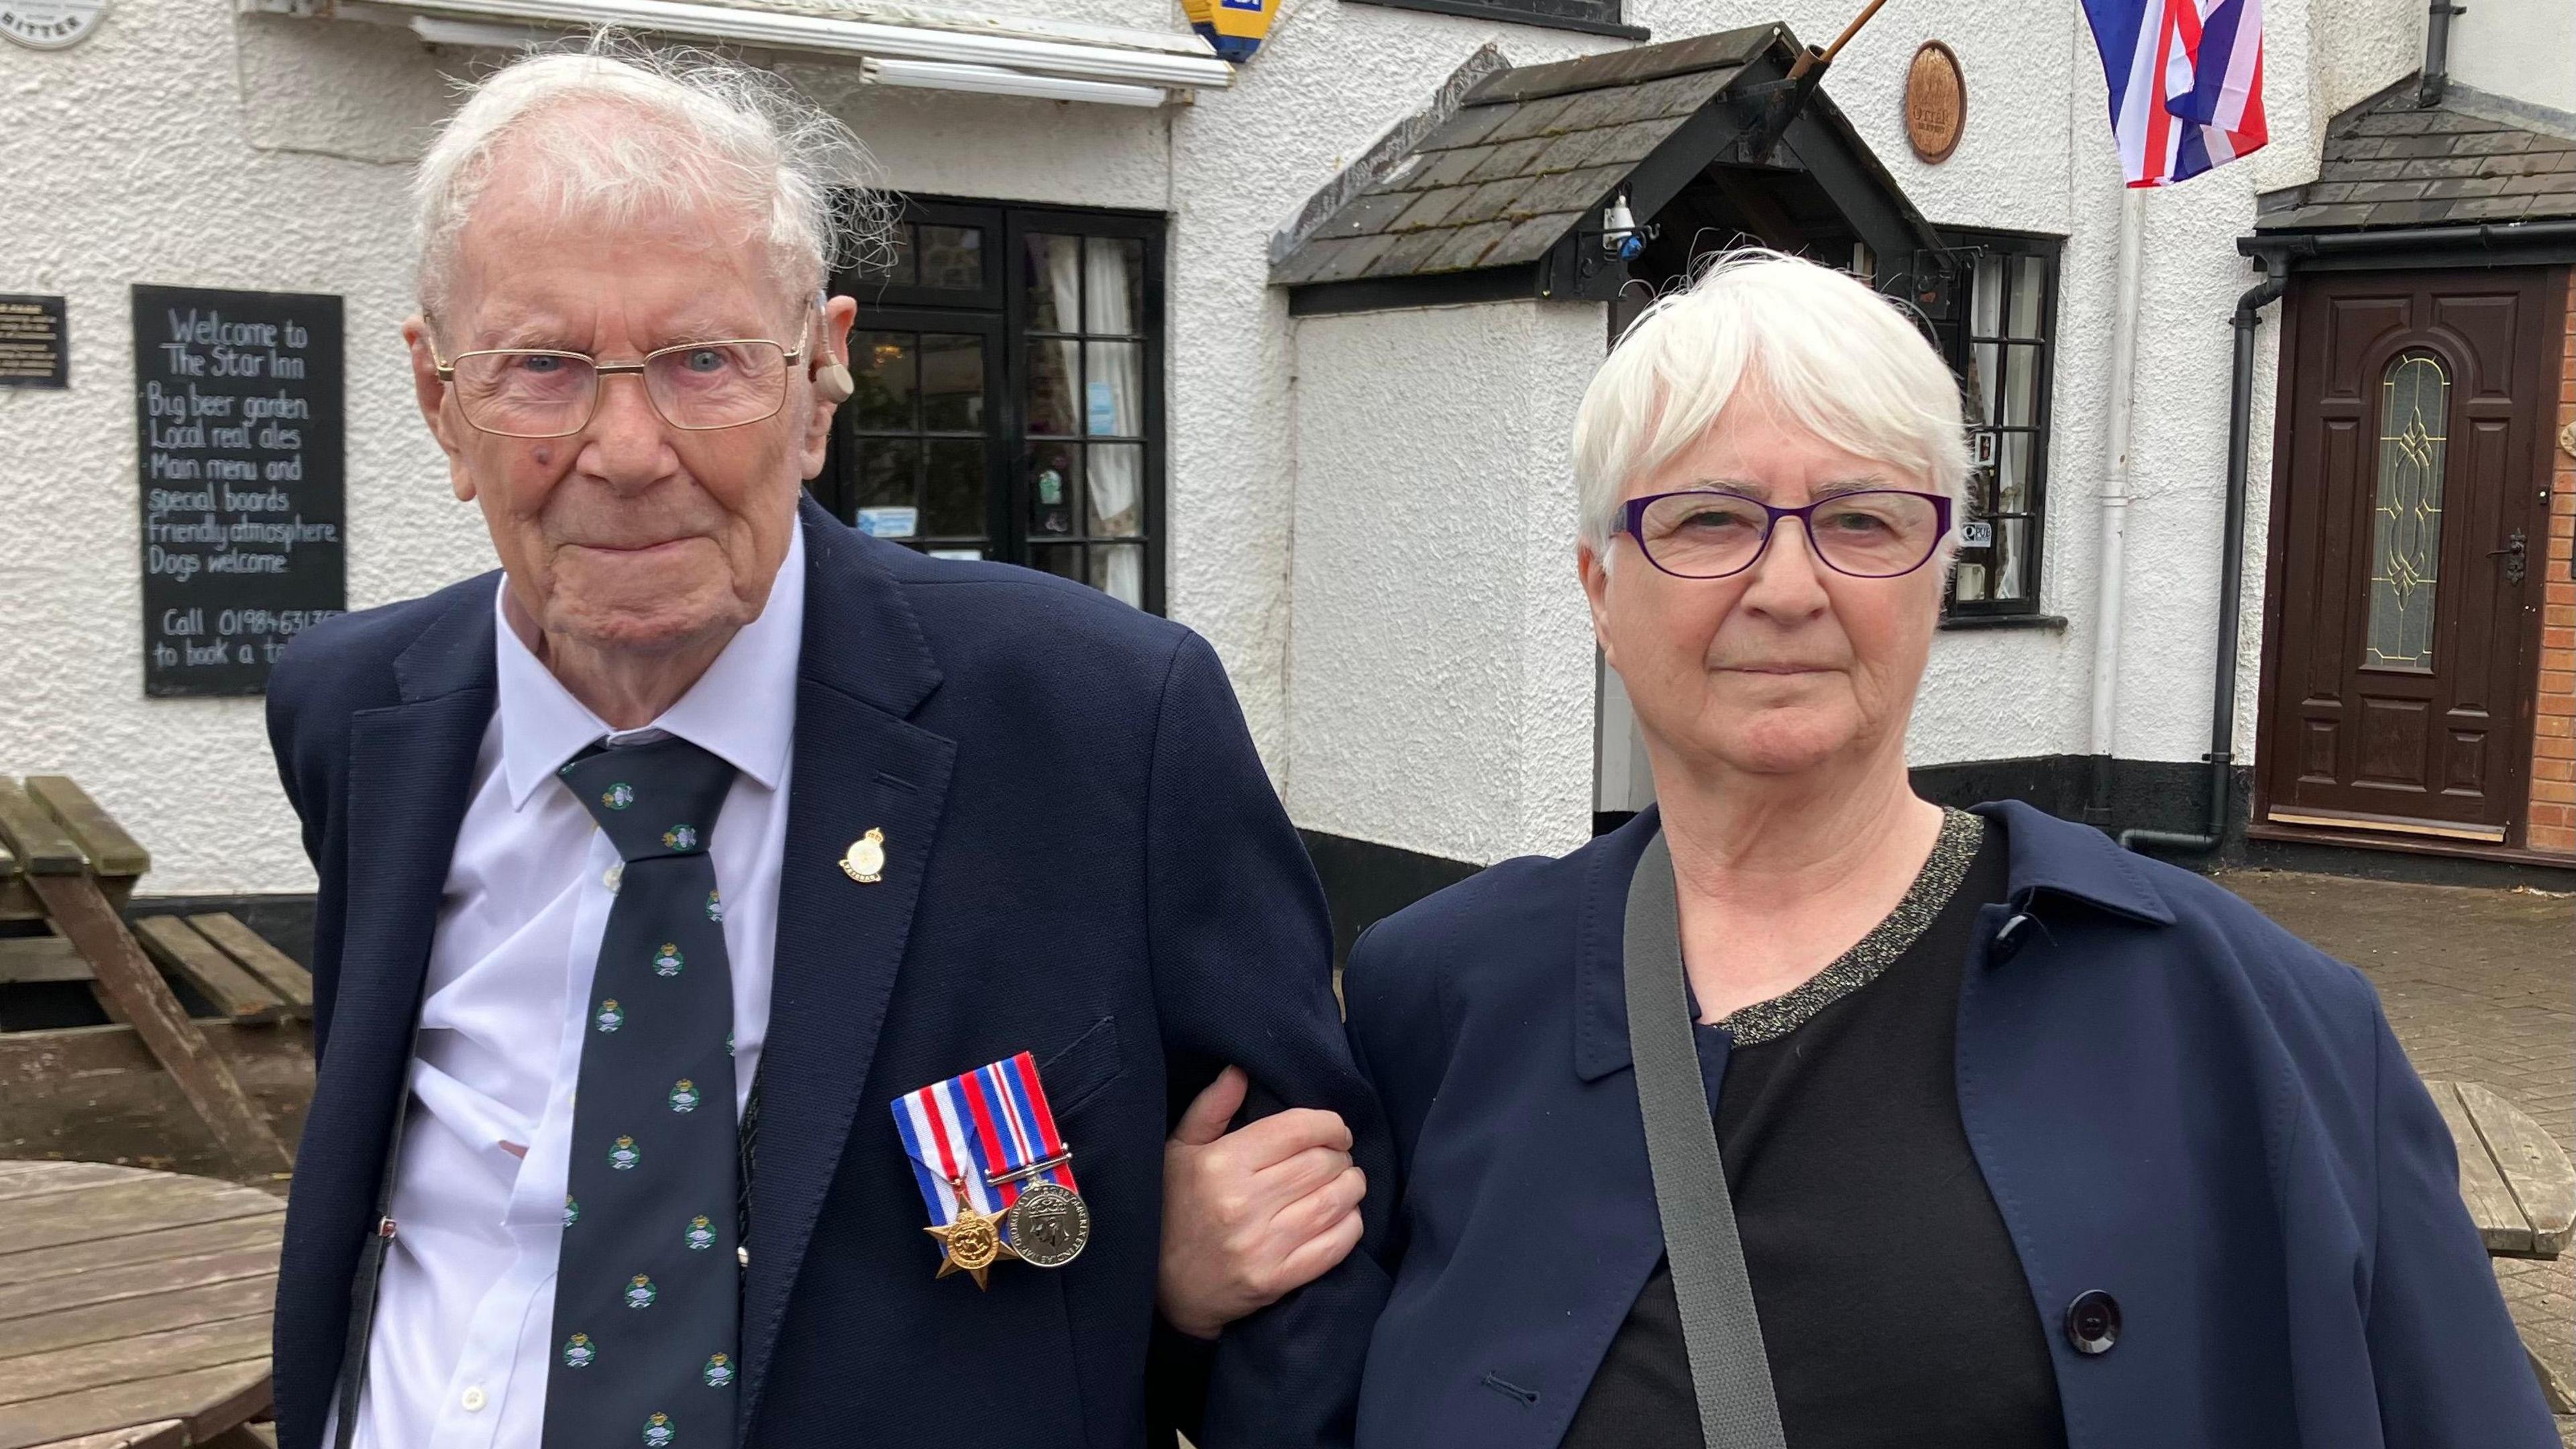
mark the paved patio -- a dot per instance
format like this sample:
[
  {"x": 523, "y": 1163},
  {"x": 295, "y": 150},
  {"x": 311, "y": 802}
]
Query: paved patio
[{"x": 2480, "y": 986}]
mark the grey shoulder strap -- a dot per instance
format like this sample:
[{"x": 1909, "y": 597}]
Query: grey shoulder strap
[{"x": 1729, "y": 1370}]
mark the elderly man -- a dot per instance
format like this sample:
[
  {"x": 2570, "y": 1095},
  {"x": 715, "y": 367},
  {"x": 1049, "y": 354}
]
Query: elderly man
[{"x": 708, "y": 825}]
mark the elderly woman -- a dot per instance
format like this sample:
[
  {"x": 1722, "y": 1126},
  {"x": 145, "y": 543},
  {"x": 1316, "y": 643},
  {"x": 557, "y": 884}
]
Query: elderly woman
[{"x": 2029, "y": 1141}]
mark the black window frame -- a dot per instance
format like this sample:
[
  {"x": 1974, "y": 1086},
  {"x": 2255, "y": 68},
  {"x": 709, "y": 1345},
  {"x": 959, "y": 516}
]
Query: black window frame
[
  {"x": 999, "y": 311},
  {"x": 1587, "y": 17},
  {"x": 1958, "y": 340}
]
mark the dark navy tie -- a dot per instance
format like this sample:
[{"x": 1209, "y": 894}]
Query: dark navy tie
[{"x": 648, "y": 1306}]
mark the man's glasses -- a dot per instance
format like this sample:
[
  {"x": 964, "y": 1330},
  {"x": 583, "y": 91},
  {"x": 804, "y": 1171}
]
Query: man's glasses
[
  {"x": 1875, "y": 534},
  {"x": 538, "y": 392}
]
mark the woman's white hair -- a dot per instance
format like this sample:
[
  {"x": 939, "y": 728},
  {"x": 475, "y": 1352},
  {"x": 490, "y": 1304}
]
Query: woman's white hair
[
  {"x": 1834, "y": 357},
  {"x": 618, "y": 130}
]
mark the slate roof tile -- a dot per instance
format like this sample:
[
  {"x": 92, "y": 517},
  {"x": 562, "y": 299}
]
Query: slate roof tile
[
  {"x": 1450, "y": 168},
  {"x": 1467, "y": 246},
  {"x": 1531, "y": 118},
  {"x": 1512, "y": 158},
  {"x": 2388, "y": 162},
  {"x": 1429, "y": 208},
  {"x": 1466, "y": 128},
  {"x": 1530, "y": 240},
  {"x": 1410, "y": 251}
]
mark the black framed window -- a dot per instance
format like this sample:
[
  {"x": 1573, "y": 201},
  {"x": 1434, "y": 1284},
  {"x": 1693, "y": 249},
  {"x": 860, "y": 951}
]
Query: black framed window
[
  {"x": 1009, "y": 401},
  {"x": 2002, "y": 343}
]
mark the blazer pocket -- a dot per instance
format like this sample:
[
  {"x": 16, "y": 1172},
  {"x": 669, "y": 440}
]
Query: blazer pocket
[{"x": 1077, "y": 1072}]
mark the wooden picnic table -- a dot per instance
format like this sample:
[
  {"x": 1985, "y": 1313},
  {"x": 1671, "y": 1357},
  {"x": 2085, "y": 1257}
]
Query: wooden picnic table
[
  {"x": 2519, "y": 1187},
  {"x": 132, "y": 1301}
]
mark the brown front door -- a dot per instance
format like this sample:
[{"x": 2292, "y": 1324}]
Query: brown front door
[{"x": 2405, "y": 548}]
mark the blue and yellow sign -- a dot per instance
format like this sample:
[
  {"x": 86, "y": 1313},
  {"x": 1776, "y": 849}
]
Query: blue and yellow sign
[{"x": 1234, "y": 27}]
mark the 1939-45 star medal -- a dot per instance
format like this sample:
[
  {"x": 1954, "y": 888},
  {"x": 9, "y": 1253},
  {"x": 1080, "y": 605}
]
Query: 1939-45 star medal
[{"x": 973, "y": 1240}]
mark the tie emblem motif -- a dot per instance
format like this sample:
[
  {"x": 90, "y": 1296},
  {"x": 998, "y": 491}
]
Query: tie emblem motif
[{"x": 647, "y": 1282}]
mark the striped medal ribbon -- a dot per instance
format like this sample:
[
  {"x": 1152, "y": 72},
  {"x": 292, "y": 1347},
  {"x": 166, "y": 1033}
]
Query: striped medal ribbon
[{"x": 993, "y": 1170}]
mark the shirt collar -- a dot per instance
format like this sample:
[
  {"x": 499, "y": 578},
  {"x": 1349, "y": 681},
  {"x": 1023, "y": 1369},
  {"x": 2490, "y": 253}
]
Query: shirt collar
[{"x": 742, "y": 709}]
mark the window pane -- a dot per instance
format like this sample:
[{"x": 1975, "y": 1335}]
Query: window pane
[
  {"x": 1054, "y": 370},
  {"x": 2406, "y": 519},
  {"x": 2021, "y": 386},
  {"x": 952, "y": 383},
  {"x": 1986, "y": 383},
  {"x": 1117, "y": 490},
  {"x": 883, "y": 373},
  {"x": 1112, "y": 399},
  {"x": 952, "y": 257},
  {"x": 952, "y": 494},
  {"x": 1987, "y": 309},
  {"x": 886, "y": 471},
  {"x": 892, "y": 264},
  {"x": 1115, "y": 279},
  {"x": 2012, "y": 561},
  {"x": 2012, "y": 472},
  {"x": 1054, "y": 282},
  {"x": 1064, "y": 560},
  {"x": 2029, "y": 288},
  {"x": 1968, "y": 584},
  {"x": 1119, "y": 572},
  {"x": 1055, "y": 488}
]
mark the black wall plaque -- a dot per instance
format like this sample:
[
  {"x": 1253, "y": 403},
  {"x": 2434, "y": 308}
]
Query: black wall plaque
[
  {"x": 238, "y": 406},
  {"x": 34, "y": 350}
]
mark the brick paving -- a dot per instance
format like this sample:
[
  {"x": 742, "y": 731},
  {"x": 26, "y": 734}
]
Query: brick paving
[{"x": 2480, "y": 986}]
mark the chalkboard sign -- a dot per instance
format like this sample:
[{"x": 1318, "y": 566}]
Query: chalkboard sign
[{"x": 238, "y": 405}]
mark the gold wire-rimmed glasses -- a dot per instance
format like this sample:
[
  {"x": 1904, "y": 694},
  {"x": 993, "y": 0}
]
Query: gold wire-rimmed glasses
[{"x": 698, "y": 387}]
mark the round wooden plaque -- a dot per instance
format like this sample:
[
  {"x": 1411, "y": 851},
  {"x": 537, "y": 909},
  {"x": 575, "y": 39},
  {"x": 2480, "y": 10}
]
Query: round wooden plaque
[{"x": 1936, "y": 102}]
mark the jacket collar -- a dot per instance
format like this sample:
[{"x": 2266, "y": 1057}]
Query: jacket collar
[{"x": 2057, "y": 857}]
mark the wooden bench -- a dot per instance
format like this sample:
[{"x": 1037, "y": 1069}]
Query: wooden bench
[
  {"x": 2519, "y": 1187},
  {"x": 67, "y": 864},
  {"x": 134, "y": 1307}
]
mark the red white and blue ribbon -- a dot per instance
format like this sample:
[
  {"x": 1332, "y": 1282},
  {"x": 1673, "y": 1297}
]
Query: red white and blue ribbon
[{"x": 992, "y": 1122}]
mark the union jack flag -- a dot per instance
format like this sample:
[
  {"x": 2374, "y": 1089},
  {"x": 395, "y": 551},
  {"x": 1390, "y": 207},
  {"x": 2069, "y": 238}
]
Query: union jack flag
[{"x": 2186, "y": 82}]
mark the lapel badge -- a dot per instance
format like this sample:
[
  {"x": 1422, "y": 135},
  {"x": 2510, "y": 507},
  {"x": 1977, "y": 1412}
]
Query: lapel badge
[{"x": 864, "y": 861}]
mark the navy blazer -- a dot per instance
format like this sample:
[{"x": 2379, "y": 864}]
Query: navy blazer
[
  {"x": 2172, "y": 1099},
  {"x": 1084, "y": 860}
]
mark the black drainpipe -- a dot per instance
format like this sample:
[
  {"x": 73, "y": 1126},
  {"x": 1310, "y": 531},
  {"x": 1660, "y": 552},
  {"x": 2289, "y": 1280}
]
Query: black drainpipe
[
  {"x": 2437, "y": 53},
  {"x": 2231, "y": 565}
]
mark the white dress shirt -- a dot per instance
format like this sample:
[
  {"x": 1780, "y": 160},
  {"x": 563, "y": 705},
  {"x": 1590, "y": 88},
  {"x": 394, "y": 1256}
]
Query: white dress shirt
[{"x": 464, "y": 1321}]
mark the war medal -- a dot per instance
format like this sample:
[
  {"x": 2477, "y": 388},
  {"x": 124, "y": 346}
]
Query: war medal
[
  {"x": 865, "y": 861},
  {"x": 1049, "y": 1226},
  {"x": 973, "y": 1239}
]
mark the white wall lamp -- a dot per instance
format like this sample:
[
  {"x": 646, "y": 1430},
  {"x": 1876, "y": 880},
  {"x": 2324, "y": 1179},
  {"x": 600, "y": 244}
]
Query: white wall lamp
[{"x": 993, "y": 80}]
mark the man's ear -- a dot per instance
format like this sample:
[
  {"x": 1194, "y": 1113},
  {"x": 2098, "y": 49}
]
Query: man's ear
[
  {"x": 831, "y": 378},
  {"x": 431, "y": 394}
]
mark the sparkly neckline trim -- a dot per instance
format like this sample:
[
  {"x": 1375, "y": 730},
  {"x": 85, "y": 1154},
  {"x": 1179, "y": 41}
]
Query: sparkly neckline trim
[{"x": 1961, "y": 835}]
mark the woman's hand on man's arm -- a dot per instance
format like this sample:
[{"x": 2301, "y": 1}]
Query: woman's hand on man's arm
[{"x": 1253, "y": 1214}]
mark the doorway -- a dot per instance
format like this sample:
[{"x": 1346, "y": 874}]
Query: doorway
[{"x": 2409, "y": 515}]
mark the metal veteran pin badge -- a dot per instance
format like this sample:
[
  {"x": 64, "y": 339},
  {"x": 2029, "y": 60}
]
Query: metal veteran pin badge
[{"x": 865, "y": 860}]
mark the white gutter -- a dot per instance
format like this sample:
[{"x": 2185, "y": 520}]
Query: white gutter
[
  {"x": 1156, "y": 58},
  {"x": 2111, "y": 566}
]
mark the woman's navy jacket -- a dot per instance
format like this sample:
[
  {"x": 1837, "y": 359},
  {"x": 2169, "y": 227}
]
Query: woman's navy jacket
[{"x": 2173, "y": 1101}]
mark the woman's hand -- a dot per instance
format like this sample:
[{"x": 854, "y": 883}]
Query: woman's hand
[{"x": 1252, "y": 1214}]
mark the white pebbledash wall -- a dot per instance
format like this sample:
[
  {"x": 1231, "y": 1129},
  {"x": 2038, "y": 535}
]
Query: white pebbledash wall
[{"x": 1435, "y": 698}]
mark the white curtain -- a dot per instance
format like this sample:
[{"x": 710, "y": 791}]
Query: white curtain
[{"x": 1113, "y": 473}]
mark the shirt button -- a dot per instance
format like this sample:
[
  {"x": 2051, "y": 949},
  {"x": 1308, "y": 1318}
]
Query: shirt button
[
  {"x": 611, "y": 876},
  {"x": 473, "y": 1400}
]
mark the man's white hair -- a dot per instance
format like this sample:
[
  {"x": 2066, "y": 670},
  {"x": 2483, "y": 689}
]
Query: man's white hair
[
  {"x": 1834, "y": 357},
  {"x": 621, "y": 131}
]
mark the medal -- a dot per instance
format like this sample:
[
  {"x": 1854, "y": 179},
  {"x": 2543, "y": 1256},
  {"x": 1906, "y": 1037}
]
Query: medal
[
  {"x": 1049, "y": 1226},
  {"x": 972, "y": 1240},
  {"x": 994, "y": 1172}
]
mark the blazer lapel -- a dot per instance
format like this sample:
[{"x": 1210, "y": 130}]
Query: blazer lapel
[
  {"x": 411, "y": 770},
  {"x": 859, "y": 765}
]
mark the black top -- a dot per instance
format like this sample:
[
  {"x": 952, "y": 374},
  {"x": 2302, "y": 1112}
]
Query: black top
[{"x": 1894, "y": 1310}]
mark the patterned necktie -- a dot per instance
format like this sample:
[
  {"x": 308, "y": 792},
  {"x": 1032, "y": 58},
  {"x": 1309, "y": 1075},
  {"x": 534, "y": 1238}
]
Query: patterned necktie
[{"x": 648, "y": 1305}]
